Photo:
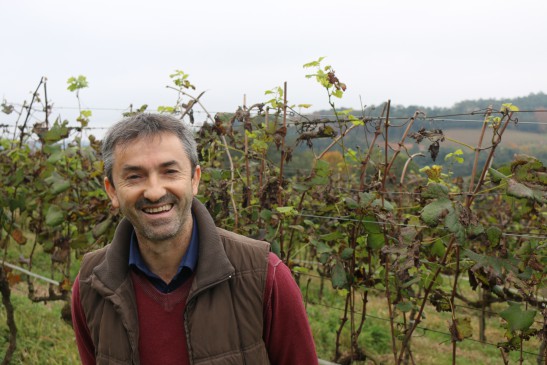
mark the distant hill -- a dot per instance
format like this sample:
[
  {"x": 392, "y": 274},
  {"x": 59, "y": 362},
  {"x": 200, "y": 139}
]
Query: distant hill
[
  {"x": 526, "y": 136},
  {"x": 529, "y": 119}
]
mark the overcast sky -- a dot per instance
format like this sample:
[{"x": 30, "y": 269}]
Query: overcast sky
[{"x": 432, "y": 53}]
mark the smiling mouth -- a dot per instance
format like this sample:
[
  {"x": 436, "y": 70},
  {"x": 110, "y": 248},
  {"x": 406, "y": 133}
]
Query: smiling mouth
[{"x": 156, "y": 210}]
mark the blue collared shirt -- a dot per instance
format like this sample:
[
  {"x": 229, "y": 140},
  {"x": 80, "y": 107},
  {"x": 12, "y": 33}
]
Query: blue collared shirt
[{"x": 186, "y": 267}]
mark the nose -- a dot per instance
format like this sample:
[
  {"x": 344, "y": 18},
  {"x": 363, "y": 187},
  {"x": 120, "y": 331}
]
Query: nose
[{"x": 154, "y": 190}]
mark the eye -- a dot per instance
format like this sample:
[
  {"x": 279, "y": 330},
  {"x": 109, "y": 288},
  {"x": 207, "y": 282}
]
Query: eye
[
  {"x": 132, "y": 177},
  {"x": 171, "y": 172}
]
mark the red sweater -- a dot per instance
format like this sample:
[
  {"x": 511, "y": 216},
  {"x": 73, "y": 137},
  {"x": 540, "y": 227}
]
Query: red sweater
[
  {"x": 287, "y": 334},
  {"x": 162, "y": 339}
]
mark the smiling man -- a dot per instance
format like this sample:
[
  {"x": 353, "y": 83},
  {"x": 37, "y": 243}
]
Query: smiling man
[{"x": 171, "y": 287}]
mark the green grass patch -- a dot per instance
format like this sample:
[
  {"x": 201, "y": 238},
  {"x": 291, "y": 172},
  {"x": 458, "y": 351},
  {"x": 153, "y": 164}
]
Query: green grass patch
[
  {"x": 42, "y": 336},
  {"x": 430, "y": 343}
]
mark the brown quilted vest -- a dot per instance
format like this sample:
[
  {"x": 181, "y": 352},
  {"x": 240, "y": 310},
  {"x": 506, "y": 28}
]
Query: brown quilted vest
[{"x": 224, "y": 310}]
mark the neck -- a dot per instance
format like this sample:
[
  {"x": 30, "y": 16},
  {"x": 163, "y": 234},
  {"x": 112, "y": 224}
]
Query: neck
[{"x": 163, "y": 258}]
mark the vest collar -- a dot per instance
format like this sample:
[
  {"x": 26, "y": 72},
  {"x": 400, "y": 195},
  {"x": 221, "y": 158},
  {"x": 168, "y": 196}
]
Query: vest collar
[{"x": 213, "y": 264}]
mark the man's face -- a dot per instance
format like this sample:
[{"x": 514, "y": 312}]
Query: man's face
[{"x": 154, "y": 186}]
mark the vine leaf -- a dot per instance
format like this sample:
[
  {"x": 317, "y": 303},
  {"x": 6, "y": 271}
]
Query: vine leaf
[
  {"x": 289, "y": 211},
  {"x": 77, "y": 83},
  {"x": 55, "y": 153},
  {"x": 411, "y": 282},
  {"x": 57, "y": 183},
  {"x": 434, "y": 212},
  {"x": 82, "y": 240},
  {"x": 17, "y": 203},
  {"x": 57, "y": 132},
  {"x": 386, "y": 205},
  {"x": 333, "y": 236},
  {"x": 517, "y": 319},
  {"x": 494, "y": 236},
  {"x": 375, "y": 237},
  {"x": 405, "y": 307},
  {"x": 454, "y": 225},
  {"x": 519, "y": 190},
  {"x": 18, "y": 236},
  {"x": 452, "y": 221},
  {"x": 322, "y": 168},
  {"x": 509, "y": 107},
  {"x": 66, "y": 285},
  {"x": 365, "y": 199},
  {"x": 529, "y": 179},
  {"x": 13, "y": 278},
  {"x": 351, "y": 203},
  {"x": 54, "y": 216},
  {"x": 460, "y": 328},
  {"x": 441, "y": 301},
  {"x": 347, "y": 253},
  {"x": 339, "y": 278},
  {"x": 497, "y": 264},
  {"x": 496, "y": 176},
  {"x": 435, "y": 191},
  {"x": 7, "y": 108},
  {"x": 101, "y": 228},
  {"x": 375, "y": 241}
]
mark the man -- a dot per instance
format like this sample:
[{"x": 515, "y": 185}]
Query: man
[{"x": 171, "y": 288}]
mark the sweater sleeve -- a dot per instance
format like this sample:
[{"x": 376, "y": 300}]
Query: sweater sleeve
[
  {"x": 83, "y": 337},
  {"x": 287, "y": 333}
]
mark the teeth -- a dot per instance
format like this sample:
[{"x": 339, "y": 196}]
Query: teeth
[{"x": 163, "y": 208}]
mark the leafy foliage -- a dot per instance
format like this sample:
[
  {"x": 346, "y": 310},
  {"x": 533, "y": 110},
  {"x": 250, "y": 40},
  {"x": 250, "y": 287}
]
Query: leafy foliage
[{"x": 343, "y": 213}]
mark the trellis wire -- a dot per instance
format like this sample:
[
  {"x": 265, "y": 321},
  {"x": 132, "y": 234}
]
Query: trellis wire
[
  {"x": 403, "y": 224},
  {"x": 30, "y": 273},
  {"x": 383, "y": 292},
  {"x": 317, "y": 117}
]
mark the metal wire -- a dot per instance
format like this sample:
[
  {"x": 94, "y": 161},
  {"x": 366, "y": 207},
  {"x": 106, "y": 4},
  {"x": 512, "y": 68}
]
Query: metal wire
[
  {"x": 425, "y": 329},
  {"x": 345, "y": 218},
  {"x": 383, "y": 292},
  {"x": 442, "y": 117}
]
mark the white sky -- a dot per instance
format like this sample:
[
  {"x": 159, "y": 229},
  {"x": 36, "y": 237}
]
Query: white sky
[{"x": 431, "y": 53}]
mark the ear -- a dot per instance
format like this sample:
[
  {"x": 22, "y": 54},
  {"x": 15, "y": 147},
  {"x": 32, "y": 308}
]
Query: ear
[
  {"x": 195, "y": 179},
  {"x": 111, "y": 191}
]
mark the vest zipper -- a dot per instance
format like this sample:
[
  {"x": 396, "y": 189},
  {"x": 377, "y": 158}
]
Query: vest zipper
[
  {"x": 189, "y": 301},
  {"x": 202, "y": 289}
]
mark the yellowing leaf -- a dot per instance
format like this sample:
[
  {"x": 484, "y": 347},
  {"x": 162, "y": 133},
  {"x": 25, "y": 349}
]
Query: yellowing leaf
[
  {"x": 509, "y": 107},
  {"x": 286, "y": 210},
  {"x": 66, "y": 285},
  {"x": 461, "y": 328},
  {"x": 13, "y": 278},
  {"x": 18, "y": 236}
]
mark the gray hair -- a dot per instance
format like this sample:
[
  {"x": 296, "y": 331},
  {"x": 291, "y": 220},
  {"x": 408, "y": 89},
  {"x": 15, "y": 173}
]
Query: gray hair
[{"x": 146, "y": 125}]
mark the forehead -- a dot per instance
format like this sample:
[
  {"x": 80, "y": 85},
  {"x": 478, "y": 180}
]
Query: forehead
[{"x": 149, "y": 149}]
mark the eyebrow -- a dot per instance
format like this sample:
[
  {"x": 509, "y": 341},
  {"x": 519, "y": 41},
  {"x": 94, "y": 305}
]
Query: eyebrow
[
  {"x": 169, "y": 164},
  {"x": 133, "y": 168}
]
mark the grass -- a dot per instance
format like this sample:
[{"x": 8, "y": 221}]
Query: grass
[
  {"x": 42, "y": 336},
  {"x": 430, "y": 342}
]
